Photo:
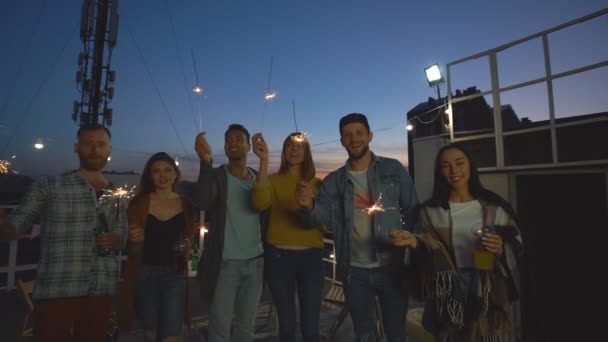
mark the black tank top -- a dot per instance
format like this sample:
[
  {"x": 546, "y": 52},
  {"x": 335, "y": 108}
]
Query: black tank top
[{"x": 159, "y": 239}]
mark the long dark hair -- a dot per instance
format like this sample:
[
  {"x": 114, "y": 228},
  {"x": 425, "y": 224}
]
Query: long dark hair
[
  {"x": 146, "y": 185},
  {"x": 442, "y": 190},
  {"x": 307, "y": 170}
]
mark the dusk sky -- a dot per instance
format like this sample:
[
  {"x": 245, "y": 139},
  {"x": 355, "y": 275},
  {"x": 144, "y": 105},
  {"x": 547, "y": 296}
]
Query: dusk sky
[{"x": 331, "y": 57}]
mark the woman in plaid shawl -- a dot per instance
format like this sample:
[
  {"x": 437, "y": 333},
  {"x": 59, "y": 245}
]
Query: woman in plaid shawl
[{"x": 466, "y": 301}]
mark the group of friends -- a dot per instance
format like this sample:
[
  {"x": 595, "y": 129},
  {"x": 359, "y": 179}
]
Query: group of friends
[{"x": 458, "y": 251}]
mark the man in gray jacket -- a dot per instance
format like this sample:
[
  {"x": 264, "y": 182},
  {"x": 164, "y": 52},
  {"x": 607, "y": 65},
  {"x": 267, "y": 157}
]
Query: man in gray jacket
[
  {"x": 231, "y": 270},
  {"x": 362, "y": 202}
]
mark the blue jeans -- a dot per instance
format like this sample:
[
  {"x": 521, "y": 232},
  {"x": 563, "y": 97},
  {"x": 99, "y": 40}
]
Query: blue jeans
[
  {"x": 287, "y": 270},
  {"x": 160, "y": 298},
  {"x": 236, "y": 294},
  {"x": 360, "y": 289}
]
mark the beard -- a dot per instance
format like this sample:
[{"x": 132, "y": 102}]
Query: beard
[
  {"x": 357, "y": 156},
  {"x": 92, "y": 164}
]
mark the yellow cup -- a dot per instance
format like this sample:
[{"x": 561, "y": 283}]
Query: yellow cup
[{"x": 483, "y": 260}]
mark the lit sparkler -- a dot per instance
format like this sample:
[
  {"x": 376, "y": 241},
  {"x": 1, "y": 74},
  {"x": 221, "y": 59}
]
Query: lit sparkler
[
  {"x": 117, "y": 196},
  {"x": 300, "y": 138},
  {"x": 197, "y": 90},
  {"x": 376, "y": 207},
  {"x": 270, "y": 95},
  {"x": 5, "y": 167}
]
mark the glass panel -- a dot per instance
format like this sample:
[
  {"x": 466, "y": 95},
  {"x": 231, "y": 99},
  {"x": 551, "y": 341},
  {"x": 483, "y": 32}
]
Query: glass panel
[
  {"x": 473, "y": 116},
  {"x": 581, "y": 94},
  {"x": 579, "y": 45},
  {"x": 528, "y": 148},
  {"x": 521, "y": 63},
  {"x": 483, "y": 151},
  {"x": 524, "y": 107},
  {"x": 583, "y": 142},
  {"x": 472, "y": 73}
]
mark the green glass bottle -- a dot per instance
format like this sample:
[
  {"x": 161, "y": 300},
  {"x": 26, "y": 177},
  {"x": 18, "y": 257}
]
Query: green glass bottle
[
  {"x": 102, "y": 227},
  {"x": 194, "y": 260}
]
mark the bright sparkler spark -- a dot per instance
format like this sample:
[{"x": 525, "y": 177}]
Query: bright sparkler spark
[
  {"x": 270, "y": 95},
  {"x": 300, "y": 138},
  {"x": 197, "y": 90},
  {"x": 376, "y": 207},
  {"x": 5, "y": 167},
  {"x": 117, "y": 194}
]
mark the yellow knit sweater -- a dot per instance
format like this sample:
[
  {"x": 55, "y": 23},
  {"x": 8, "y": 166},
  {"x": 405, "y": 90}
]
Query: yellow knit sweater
[{"x": 284, "y": 228}]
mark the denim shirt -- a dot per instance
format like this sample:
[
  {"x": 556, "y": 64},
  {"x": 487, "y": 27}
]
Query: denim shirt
[{"x": 334, "y": 207}]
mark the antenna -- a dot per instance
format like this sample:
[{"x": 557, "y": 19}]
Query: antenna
[{"x": 94, "y": 78}]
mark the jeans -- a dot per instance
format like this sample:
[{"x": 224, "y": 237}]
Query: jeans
[
  {"x": 160, "y": 298},
  {"x": 286, "y": 271},
  {"x": 360, "y": 289},
  {"x": 237, "y": 293}
]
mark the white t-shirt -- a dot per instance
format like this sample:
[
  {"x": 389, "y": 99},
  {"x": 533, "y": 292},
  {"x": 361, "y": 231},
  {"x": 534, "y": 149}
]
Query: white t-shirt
[
  {"x": 466, "y": 220},
  {"x": 363, "y": 253}
]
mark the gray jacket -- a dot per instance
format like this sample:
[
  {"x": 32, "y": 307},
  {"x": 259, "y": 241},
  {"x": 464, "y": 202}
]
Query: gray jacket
[{"x": 211, "y": 195}]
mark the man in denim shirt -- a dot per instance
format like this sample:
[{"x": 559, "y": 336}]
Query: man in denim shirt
[
  {"x": 78, "y": 268},
  {"x": 362, "y": 202}
]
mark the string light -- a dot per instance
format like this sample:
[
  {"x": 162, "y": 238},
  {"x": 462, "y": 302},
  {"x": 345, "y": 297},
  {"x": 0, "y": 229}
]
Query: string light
[{"x": 410, "y": 125}]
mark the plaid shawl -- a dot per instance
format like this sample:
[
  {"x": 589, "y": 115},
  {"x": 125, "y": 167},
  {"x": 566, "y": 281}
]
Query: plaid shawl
[{"x": 486, "y": 315}]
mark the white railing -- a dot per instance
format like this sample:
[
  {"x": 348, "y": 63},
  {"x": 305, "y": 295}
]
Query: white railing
[
  {"x": 331, "y": 260},
  {"x": 496, "y": 91}
]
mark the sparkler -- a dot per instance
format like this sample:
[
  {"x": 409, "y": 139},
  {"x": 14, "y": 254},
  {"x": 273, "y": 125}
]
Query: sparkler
[
  {"x": 376, "y": 207},
  {"x": 198, "y": 90},
  {"x": 270, "y": 95},
  {"x": 117, "y": 196},
  {"x": 5, "y": 167},
  {"x": 300, "y": 138}
]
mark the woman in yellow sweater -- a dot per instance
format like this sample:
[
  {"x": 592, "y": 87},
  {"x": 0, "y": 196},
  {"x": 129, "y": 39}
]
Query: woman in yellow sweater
[{"x": 293, "y": 252}]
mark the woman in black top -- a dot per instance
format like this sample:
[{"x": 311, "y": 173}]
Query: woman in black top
[{"x": 160, "y": 232}]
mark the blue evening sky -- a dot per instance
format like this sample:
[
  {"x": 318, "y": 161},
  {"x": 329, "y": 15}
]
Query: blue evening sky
[{"x": 331, "y": 57}]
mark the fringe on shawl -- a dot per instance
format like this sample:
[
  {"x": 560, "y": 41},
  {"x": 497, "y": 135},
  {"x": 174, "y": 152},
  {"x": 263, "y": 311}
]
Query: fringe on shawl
[
  {"x": 450, "y": 303},
  {"x": 450, "y": 307}
]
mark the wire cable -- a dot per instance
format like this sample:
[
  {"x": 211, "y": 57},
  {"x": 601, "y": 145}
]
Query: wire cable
[
  {"x": 26, "y": 111},
  {"x": 181, "y": 64},
  {"x": 162, "y": 101},
  {"x": 22, "y": 60}
]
